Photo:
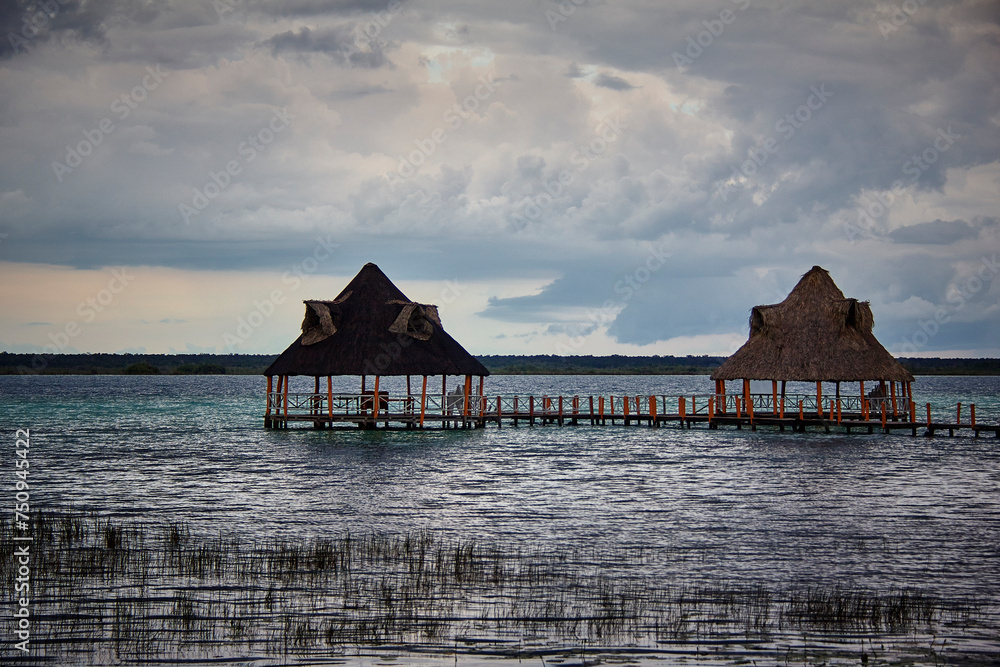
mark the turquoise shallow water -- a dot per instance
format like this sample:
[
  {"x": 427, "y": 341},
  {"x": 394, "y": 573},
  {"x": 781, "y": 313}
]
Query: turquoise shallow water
[{"x": 880, "y": 512}]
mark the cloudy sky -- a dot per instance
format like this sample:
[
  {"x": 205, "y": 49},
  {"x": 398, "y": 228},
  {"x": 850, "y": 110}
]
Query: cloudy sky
[{"x": 582, "y": 177}]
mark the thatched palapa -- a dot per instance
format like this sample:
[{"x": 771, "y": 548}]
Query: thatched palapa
[
  {"x": 816, "y": 335},
  {"x": 372, "y": 328}
]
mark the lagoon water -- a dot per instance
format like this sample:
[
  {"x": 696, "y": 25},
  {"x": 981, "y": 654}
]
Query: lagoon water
[{"x": 875, "y": 511}]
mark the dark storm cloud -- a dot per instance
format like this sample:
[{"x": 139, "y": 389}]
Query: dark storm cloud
[
  {"x": 613, "y": 82},
  {"x": 939, "y": 232},
  {"x": 344, "y": 44}
]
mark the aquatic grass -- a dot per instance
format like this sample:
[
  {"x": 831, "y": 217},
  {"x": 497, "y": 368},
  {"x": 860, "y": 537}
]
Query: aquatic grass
[{"x": 158, "y": 590}]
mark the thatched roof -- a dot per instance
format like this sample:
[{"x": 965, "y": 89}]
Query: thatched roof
[
  {"x": 815, "y": 334},
  {"x": 371, "y": 328}
]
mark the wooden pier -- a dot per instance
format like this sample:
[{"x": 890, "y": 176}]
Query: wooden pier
[{"x": 793, "y": 413}]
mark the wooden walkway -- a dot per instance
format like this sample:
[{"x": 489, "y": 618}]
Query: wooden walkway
[{"x": 326, "y": 410}]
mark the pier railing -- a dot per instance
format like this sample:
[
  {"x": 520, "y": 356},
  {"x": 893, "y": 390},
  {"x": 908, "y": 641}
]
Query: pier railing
[
  {"x": 453, "y": 405},
  {"x": 367, "y": 409}
]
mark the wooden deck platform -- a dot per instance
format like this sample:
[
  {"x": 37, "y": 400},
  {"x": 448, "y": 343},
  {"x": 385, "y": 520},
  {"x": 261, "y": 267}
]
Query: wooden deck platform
[{"x": 327, "y": 410}]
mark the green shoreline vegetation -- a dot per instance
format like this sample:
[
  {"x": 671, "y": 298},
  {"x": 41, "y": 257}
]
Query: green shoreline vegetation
[{"x": 254, "y": 364}]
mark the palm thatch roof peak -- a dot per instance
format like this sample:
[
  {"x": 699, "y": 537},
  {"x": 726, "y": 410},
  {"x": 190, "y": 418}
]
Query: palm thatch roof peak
[
  {"x": 815, "y": 334},
  {"x": 372, "y": 328}
]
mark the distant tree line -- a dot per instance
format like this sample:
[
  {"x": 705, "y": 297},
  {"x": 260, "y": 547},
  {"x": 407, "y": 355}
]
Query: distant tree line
[{"x": 539, "y": 364}]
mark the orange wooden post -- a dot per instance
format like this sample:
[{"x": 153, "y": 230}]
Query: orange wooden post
[
  {"x": 468, "y": 394},
  {"x": 482, "y": 399},
  {"x": 376, "y": 401},
  {"x": 625, "y": 410},
  {"x": 892, "y": 391},
  {"x": 711, "y": 407},
  {"x": 913, "y": 412},
  {"x": 499, "y": 411},
  {"x": 694, "y": 405},
  {"x": 591, "y": 401},
  {"x": 801, "y": 414},
  {"x": 682, "y": 407},
  {"x": 739, "y": 407},
  {"x": 781, "y": 414},
  {"x": 750, "y": 409},
  {"x": 774, "y": 397},
  {"x": 746, "y": 394},
  {"x": 531, "y": 410},
  {"x": 600, "y": 408},
  {"x": 286, "y": 400},
  {"x": 329, "y": 397},
  {"x": 423, "y": 401},
  {"x": 838, "y": 411},
  {"x": 972, "y": 408},
  {"x": 819, "y": 398},
  {"x": 652, "y": 410},
  {"x": 958, "y": 416},
  {"x": 560, "y": 409},
  {"x": 611, "y": 408},
  {"x": 270, "y": 384}
]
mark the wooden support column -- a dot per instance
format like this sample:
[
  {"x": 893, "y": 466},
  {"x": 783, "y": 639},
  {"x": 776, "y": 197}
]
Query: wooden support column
[
  {"x": 285, "y": 425},
  {"x": 892, "y": 391},
  {"x": 270, "y": 384},
  {"x": 423, "y": 401},
  {"x": 746, "y": 395},
  {"x": 482, "y": 399},
  {"x": 376, "y": 402},
  {"x": 819, "y": 399},
  {"x": 468, "y": 392},
  {"x": 774, "y": 397},
  {"x": 329, "y": 397}
]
